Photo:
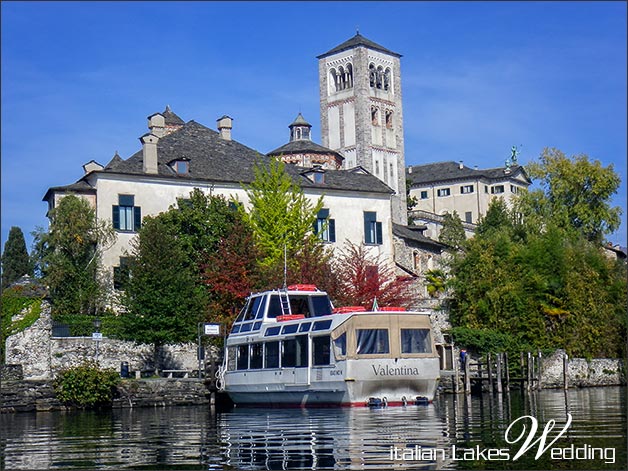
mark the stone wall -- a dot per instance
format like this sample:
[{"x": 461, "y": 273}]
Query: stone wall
[
  {"x": 42, "y": 355},
  {"x": 582, "y": 372}
]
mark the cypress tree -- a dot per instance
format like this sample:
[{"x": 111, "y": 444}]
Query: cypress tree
[{"x": 15, "y": 260}]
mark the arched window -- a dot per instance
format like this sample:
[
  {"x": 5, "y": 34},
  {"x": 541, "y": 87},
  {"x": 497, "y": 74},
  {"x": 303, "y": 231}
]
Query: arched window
[
  {"x": 297, "y": 133},
  {"x": 416, "y": 261},
  {"x": 387, "y": 79},
  {"x": 375, "y": 115},
  {"x": 380, "y": 77},
  {"x": 389, "y": 119},
  {"x": 372, "y": 75},
  {"x": 342, "y": 78},
  {"x": 333, "y": 77},
  {"x": 349, "y": 76}
]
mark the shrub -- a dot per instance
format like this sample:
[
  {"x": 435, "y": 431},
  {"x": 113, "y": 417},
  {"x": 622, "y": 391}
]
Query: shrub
[{"x": 86, "y": 386}]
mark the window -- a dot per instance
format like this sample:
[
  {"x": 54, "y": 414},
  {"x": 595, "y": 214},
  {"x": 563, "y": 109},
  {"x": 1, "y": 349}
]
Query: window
[
  {"x": 322, "y": 325},
  {"x": 416, "y": 341},
  {"x": 497, "y": 189},
  {"x": 325, "y": 227},
  {"x": 126, "y": 216},
  {"x": 468, "y": 217},
  {"x": 372, "y": 341},
  {"x": 443, "y": 192},
  {"x": 485, "y": 188},
  {"x": 271, "y": 355},
  {"x": 340, "y": 346},
  {"x": 321, "y": 350},
  {"x": 424, "y": 195},
  {"x": 514, "y": 189},
  {"x": 375, "y": 115},
  {"x": 255, "y": 308},
  {"x": 182, "y": 167},
  {"x": 387, "y": 79},
  {"x": 389, "y": 119},
  {"x": 256, "y": 355},
  {"x": 466, "y": 189},
  {"x": 274, "y": 307},
  {"x": 320, "y": 305},
  {"x": 294, "y": 352},
  {"x": 372, "y": 228},
  {"x": 372, "y": 75},
  {"x": 121, "y": 273},
  {"x": 242, "y": 362}
]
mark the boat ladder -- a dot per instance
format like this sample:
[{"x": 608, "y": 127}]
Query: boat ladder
[{"x": 285, "y": 302}]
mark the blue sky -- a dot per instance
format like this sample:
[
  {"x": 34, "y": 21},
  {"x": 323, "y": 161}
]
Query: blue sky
[{"x": 80, "y": 78}]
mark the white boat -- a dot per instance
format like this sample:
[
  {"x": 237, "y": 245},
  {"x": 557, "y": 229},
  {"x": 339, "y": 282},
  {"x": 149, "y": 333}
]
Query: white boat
[{"x": 290, "y": 347}]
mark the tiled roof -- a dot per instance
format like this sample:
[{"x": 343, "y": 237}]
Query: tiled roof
[
  {"x": 304, "y": 146},
  {"x": 218, "y": 160},
  {"x": 447, "y": 171},
  {"x": 300, "y": 121},
  {"x": 415, "y": 234},
  {"x": 171, "y": 118},
  {"x": 80, "y": 186},
  {"x": 356, "y": 41}
]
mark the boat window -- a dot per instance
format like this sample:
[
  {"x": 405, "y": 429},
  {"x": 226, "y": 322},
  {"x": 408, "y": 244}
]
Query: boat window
[
  {"x": 274, "y": 307},
  {"x": 322, "y": 325},
  {"x": 246, "y": 327},
  {"x": 236, "y": 329},
  {"x": 372, "y": 341},
  {"x": 256, "y": 355},
  {"x": 231, "y": 358},
  {"x": 243, "y": 311},
  {"x": 289, "y": 329},
  {"x": 242, "y": 362},
  {"x": 416, "y": 341},
  {"x": 257, "y": 325},
  {"x": 253, "y": 308},
  {"x": 299, "y": 305},
  {"x": 340, "y": 346},
  {"x": 272, "y": 331},
  {"x": 321, "y": 305},
  {"x": 259, "y": 314},
  {"x": 294, "y": 352},
  {"x": 321, "y": 350},
  {"x": 305, "y": 327},
  {"x": 271, "y": 354}
]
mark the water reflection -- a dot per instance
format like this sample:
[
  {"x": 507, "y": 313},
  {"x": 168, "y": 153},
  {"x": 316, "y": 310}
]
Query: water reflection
[{"x": 197, "y": 438}]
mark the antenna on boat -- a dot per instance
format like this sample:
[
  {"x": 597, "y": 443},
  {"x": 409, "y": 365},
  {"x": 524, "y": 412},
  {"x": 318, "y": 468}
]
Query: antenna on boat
[{"x": 285, "y": 267}]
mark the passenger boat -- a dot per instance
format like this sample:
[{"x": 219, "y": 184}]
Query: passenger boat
[{"x": 290, "y": 347}]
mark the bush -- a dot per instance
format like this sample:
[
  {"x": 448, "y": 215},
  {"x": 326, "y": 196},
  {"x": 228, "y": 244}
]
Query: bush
[
  {"x": 86, "y": 386},
  {"x": 14, "y": 301}
]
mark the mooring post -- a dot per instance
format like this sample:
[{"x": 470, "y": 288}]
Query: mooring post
[
  {"x": 523, "y": 371},
  {"x": 566, "y": 371},
  {"x": 539, "y": 368},
  {"x": 489, "y": 368},
  {"x": 467, "y": 379},
  {"x": 529, "y": 372},
  {"x": 507, "y": 369},
  {"x": 456, "y": 371},
  {"x": 499, "y": 373}
]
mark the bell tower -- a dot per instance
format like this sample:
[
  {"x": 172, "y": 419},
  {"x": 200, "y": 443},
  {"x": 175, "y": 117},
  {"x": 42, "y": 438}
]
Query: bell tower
[{"x": 362, "y": 114}]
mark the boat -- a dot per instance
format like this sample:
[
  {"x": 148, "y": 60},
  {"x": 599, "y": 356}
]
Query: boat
[{"x": 291, "y": 347}]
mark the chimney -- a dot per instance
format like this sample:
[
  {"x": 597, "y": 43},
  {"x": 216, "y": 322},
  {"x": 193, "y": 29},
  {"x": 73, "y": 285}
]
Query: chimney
[
  {"x": 225, "y": 124},
  {"x": 157, "y": 124},
  {"x": 409, "y": 169},
  {"x": 460, "y": 166},
  {"x": 149, "y": 153}
]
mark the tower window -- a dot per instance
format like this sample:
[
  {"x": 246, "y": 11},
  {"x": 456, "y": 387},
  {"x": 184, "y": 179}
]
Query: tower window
[
  {"x": 380, "y": 77},
  {"x": 387, "y": 79},
  {"x": 375, "y": 115},
  {"x": 372, "y": 75},
  {"x": 389, "y": 119}
]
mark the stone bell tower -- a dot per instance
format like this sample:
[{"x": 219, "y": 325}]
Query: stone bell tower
[{"x": 362, "y": 114}]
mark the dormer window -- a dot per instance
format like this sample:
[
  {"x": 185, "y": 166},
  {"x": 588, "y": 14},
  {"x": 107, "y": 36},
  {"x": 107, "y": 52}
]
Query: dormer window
[
  {"x": 182, "y": 167},
  {"x": 316, "y": 176}
]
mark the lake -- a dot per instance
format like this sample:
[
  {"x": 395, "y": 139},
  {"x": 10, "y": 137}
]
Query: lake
[{"x": 451, "y": 433}]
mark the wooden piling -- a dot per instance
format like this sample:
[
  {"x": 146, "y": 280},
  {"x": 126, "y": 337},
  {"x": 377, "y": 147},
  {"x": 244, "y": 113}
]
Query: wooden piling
[
  {"x": 566, "y": 372},
  {"x": 499, "y": 373},
  {"x": 467, "y": 379},
  {"x": 489, "y": 369},
  {"x": 507, "y": 369},
  {"x": 529, "y": 372},
  {"x": 539, "y": 372}
]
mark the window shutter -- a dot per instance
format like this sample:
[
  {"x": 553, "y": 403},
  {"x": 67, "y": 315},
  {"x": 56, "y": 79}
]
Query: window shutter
[
  {"x": 367, "y": 230},
  {"x": 115, "y": 216},
  {"x": 332, "y": 230},
  {"x": 378, "y": 231},
  {"x": 137, "y": 218}
]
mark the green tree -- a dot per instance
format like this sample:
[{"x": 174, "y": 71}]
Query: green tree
[
  {"x": 15, "y": 260},
  {"x": 69, "y": 257},
  {"x": 452, "y": 233},
  {"x": 281, "y": 216},
  {"x": 163, "y": 298},
  {"x": 577, "y": 190}
]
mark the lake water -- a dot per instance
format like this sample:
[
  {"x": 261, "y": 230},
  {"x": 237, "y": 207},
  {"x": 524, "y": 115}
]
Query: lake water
[{"x": 452, "y": 433}]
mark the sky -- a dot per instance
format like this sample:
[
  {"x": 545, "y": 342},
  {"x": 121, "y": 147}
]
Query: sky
[{"x": 78, "y": 80}]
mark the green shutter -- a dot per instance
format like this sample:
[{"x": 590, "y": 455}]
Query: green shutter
[
  {"x": 137, "y": 218},
  {"x": 332, "y": 230},
  {"x": 378, "y": 232},
  {"x": 115, "y": 216}
]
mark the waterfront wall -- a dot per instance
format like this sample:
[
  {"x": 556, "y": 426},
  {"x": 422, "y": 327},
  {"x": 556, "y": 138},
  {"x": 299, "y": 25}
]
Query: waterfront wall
[
  {"x": 33, "y": 395},
  {"x": 582, "y": 372},
  {"x": 42, "y": 355}
]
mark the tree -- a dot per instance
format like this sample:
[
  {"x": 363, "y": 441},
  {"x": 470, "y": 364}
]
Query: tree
[
  {"x": 280, "y": 216},
  {"x": 162, "y": 296},
  {"x": 69, "y": 257},
  {"x": 452, "y": 233},
  {"x": 364, "y": 277},
  {"x": 579, "y": 191},
  {"x": 15, "y": 260}
]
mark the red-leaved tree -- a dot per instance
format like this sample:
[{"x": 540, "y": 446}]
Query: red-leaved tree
[{"x": 364, "y": 277}]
